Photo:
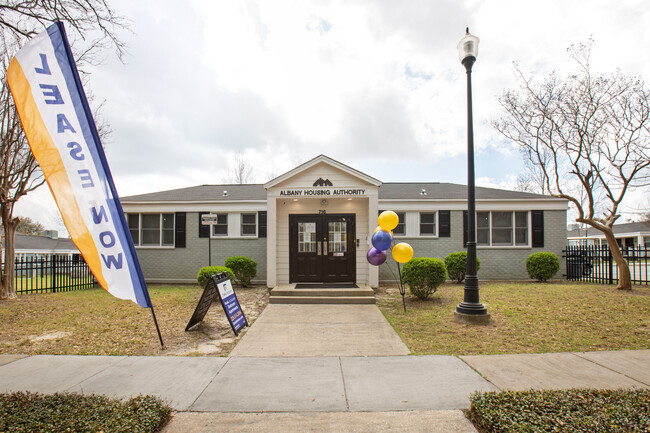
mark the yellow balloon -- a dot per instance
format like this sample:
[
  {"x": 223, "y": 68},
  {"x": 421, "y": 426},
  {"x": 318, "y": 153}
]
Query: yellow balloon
[
  {"x": 402, "y": 252},
  {"x": 388, "y": 220}
]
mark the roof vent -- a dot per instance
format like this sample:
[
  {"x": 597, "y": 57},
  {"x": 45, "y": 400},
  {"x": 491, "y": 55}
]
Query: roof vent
[
  {"x": 225, "y": 193},
  {"x": 423, "y": 192}
]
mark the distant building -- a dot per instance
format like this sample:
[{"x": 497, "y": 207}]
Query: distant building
[
  {"x": 627, "y": 235},
  {"x": 28, "y": 246}
]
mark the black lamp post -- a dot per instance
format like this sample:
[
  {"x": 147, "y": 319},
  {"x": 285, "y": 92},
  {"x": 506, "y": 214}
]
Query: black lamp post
[{"x": 470, "y": 310}]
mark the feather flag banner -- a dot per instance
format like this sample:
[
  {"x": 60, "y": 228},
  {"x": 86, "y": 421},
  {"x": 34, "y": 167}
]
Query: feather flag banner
[{"x": 61, "y": 132}]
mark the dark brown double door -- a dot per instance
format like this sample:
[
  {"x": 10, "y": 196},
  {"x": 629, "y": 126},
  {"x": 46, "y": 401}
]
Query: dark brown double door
[{"x": 322, "y": 248}]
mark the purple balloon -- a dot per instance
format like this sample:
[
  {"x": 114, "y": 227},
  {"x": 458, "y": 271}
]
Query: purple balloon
[
  {"x": 376, "y": 257},
  {"x": 381, "y": 240}
]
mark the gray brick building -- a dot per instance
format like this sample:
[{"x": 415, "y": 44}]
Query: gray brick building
[{"x": 315, "y": 222}]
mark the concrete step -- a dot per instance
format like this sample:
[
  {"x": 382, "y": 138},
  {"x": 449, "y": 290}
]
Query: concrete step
[
  {"x": 362, "y": 291},
  {"x": 322, "y": 300}
]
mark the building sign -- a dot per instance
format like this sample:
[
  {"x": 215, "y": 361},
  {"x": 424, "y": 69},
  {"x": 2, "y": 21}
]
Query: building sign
[
  {"x": 319, "y": 192},
  {"x": 220, "y": 286},
  {"x": 208, "y": 219}
]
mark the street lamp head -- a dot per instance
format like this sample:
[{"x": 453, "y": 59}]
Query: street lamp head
[{"x": 468, "y": 47}]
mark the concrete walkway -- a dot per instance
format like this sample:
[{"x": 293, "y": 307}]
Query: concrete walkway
[{"x": 320, "y": 330}]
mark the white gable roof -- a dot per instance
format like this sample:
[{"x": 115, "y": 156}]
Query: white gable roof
[{"x": 322, "y": 160}]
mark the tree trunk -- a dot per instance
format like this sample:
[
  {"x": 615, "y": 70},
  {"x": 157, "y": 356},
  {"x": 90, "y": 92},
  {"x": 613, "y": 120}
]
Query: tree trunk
[
  {"x": 624, "y": 279},
  {"x": 7, "y": 285}
]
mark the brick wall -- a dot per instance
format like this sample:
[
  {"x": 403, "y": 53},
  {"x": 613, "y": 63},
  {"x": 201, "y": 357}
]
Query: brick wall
[
  {"x": 181, "y": 265},
  {"x": 496, "y": 263}
]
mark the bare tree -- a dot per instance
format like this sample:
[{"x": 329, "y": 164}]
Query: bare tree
[
  {"x": 19, "y": 174},
  {"x": 92, "y": 26},
  {"x": 588, "y": 134},
  {"x": 240, "y": 171}
]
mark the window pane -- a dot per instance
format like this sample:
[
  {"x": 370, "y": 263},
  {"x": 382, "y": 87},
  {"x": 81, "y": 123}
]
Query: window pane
[
  {"x": 221, "y": 227},
  {"x": 427, "y": 223},
  {"x": 134, "y": 227},
  {"x": 168, "y": 220},
  {"x": 521, "y": 236},
  {"x": 168, "y": 237},
  {"x": 400, "y": 230},
  {"x": 501, "y": 236},
  {"x": 483, "y": 219},
  {"x": 248, "y": 230},
  {"x": 337, "y": 237},
  {"x": 151, "y": 221},
  {"x": 150, "y": 237},
  {"x": 502, "y": 219},
  {"x": 248, "y": 224},
  {"x": 482, "y": 236},
  {"x": 521, "y": 219},
  {"x": 220, "y": 230}
]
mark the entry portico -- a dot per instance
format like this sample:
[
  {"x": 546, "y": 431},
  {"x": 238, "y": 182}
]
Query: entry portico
[{"x": 319, "y": 217}]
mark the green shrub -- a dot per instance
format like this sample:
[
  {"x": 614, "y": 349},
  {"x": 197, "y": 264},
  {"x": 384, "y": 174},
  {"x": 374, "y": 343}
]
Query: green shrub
[
  {"x": 456, "y": 264},
  {"x": 423, "y": 276},
  {"x": 573, "y": 410},
  {"x": 26, "y": 412},
  {"x": 542, "y": 266},
  {"x": 244, "y": 268},
  {"x": 207, "y": 271}
]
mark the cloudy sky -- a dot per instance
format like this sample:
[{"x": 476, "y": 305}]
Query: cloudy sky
[{"x": 374, "y": 84}]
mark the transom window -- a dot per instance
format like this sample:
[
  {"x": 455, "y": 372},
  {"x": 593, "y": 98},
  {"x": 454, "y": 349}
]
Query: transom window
[
  {"x": 502, "y": 228},
  {"x": 427, "y": 223},
  {"x": 152, "y": 229},
  {"x": 221, "y": 227}
]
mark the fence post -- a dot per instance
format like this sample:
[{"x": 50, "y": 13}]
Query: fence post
[
  {"x": 610, "y": 257},
  {"x": 53, "y": 273}
]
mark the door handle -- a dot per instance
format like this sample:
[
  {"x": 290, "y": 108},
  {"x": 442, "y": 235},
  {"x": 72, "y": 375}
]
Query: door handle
[
  {"x": 324, "y": 248},
  {"x": 318, "y": 248}
]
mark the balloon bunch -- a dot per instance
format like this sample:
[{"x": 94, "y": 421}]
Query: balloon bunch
[{"x": 382, "y": 238}]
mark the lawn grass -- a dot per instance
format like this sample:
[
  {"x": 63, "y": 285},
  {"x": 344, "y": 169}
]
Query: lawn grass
[
  {"x": 92, "y": 322},
  {"x": 526, "y": 318}
]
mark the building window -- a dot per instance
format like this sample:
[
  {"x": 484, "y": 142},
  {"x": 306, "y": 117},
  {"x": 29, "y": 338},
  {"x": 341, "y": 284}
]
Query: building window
[
  {"x": 502, "y": 229},
  {"x": 400, "y": 230},
  {"x": 249, "y": 224},
  {"x": 155, "y": 229},
  {"x": 427, "y": 224},
  {"x": 221, "y": 227}
]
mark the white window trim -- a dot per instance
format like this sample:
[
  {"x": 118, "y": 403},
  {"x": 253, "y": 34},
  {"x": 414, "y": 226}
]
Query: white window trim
[
  {"x": 234, "y": 226},
  {"x": 160, "y": 246},
  {"x": 435, "y": 223},
  {"x": 213, "y": 226},
  {"x": 241, "y": 224},
  {"x": 508, "y": 247}
]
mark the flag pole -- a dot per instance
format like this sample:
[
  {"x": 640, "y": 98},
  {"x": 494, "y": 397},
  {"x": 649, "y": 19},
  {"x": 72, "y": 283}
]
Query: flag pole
[{"x": 162, "y": 345}]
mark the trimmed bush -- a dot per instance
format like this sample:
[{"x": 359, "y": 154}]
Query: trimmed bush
[
  {"x": 33, "y": 412},
  {"x": 573, "y": 410},
  {"x": 243, "y": 267},
  {"x": 424, "y": 276},
  {"x": 456, "y": 264},
  {"x": 542, "y": 266},
  {"x": 207, "y": 271}
]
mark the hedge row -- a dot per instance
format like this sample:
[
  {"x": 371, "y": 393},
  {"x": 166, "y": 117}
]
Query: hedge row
[
  {"x": 575, "y": 410},
  {"x": 33, "y": 412}
]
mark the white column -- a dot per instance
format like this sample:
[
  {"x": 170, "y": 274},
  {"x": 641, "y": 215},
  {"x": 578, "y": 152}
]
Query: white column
[
  {"x": 373, "y": 209},
  {"x": 271, "y": 242}
]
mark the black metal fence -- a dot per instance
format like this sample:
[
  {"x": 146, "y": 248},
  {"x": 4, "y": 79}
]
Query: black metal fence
[
  {"x": 53, "y": 274},
  {"x": 595, "y": 264}
]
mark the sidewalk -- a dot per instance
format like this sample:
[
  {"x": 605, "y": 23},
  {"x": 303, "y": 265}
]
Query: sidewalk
[{"x": 321, "y": 369}]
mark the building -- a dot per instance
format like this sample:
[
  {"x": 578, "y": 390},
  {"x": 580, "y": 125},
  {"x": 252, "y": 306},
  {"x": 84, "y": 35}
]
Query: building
[
  {"x": 30, "y": 247},
  {"x": 314, "y": 223},
  {"x": 628, "y": 235}
]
